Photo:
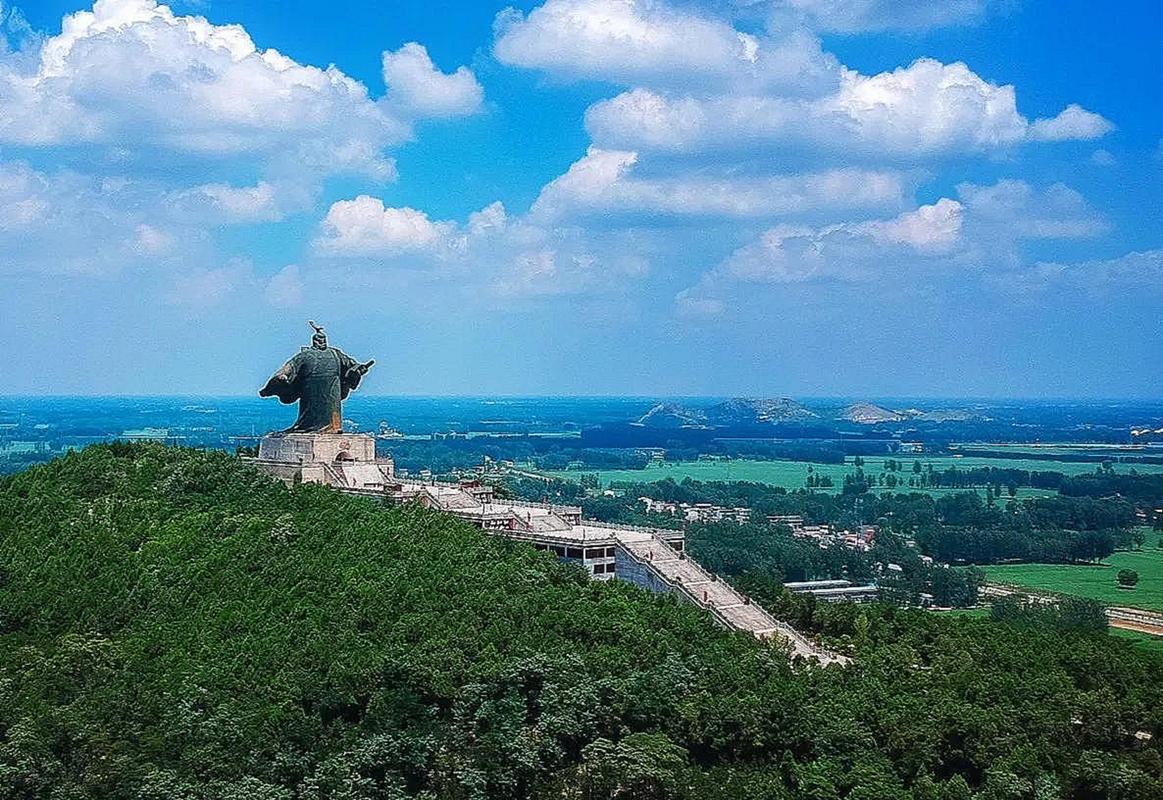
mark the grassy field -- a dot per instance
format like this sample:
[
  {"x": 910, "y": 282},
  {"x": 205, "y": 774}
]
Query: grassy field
[
  {"x": 793, "y": 474},
  {"x": 1097, "y": 582}
]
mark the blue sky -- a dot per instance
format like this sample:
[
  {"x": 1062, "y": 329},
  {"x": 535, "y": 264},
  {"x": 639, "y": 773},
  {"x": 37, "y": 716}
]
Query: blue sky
[{"x": 762, "y": 197}]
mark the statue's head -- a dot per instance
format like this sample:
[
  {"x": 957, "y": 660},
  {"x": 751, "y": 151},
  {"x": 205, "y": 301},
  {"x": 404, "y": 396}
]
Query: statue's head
[{"x": 319, "y": 340}]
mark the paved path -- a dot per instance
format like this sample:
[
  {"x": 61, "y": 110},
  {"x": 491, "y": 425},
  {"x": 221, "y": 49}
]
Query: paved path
[
  {"x": 708, "y": 591},
  {"x": 645, "y": 546}
]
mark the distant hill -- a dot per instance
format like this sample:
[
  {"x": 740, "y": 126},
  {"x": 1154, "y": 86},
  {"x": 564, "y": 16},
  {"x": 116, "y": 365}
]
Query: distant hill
[
  {"x": 670, "y": 415},
  {"x": 737, "y": 412},
  {"x": 752, "y": 411},
  {"x": 948, "y": 415},
  {"x": 871, "y": 414}
]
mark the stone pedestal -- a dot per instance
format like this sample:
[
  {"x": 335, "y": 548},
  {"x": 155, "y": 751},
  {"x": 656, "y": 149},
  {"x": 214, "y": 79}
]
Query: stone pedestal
[
  {"x": 345, "y": 461},
  {"x": 310, "y": 448}
]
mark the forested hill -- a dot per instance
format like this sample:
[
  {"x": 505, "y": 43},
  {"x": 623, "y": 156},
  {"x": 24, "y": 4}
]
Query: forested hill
[{"x": 174, "y": 625}]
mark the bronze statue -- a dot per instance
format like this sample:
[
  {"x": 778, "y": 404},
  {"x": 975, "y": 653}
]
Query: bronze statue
[{"x": 320, "y": 378}]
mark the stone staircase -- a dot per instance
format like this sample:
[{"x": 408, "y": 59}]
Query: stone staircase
[{"x": 706, "y": 590}]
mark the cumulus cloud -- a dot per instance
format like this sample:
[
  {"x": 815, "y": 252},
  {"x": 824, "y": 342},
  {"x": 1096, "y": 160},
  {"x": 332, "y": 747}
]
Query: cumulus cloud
[
  {"x": 490, "y": 255},
  {"x": 603, "y": 182},
  {"x": 848, "y": 251},
  {"x": 139, "y": 86},
  {"x": 980, "y": 231},
  {"x": 365, "y": 227},
  {"x": 416, "y": 88},
  {"x": 489, "y": 219},
  {"x": 628, "y": 41},
  {"x": 926, "y": 108},
  {"x": 929, "y": 229},
  {"x": 1073, "y": 123},
  {"x": 132, "y": 75}
]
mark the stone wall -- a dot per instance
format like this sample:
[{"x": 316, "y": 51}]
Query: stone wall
[
  {"x": 630, "y": 569},
  {"x": 306, "y": 448}
]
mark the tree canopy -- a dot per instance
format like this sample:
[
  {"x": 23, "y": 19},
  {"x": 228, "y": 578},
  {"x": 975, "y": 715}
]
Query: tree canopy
[{"x": 175, "y": 625}]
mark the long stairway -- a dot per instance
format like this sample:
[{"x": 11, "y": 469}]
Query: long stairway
[{"x": 707, "y": 591}]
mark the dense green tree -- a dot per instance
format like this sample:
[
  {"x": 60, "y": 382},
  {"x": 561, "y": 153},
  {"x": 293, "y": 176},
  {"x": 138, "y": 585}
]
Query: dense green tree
[
  {"x": 1127, "y": 578},
  {"x": 175, "y": 625}
]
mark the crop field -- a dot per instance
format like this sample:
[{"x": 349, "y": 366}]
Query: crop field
[
  {"x": 1097, "y": 582},
  {"x": 793, "y": 474}
]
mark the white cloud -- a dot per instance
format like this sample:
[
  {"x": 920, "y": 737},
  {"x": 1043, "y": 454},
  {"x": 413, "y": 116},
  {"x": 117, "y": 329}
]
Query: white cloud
[
  {"x": 1139, "y": 272},
  {"x": 603, "y": 182},
  {"x": 1073, "y": 123},
  {"x": 930, "y": 229},
  {"x": 200, "y": 288},
  {"x": 418, "y": 89},
  {"x": 927, "y": 108},
  {"x": 67, "y": 222},
  {"x": 152, "y": 241},
  {"x": 492, "y": 255},
  {"x": 846, "y": 251},
  {"x": 857, "y": 16},
  {"x": 489, "y": 219},
  {"x": 139, "y": 86},
  {"x": 24, "y": 200},
  {"x": 1012, "y": 209},
  {"x": 627, "y": 41},
  {"x": 978, "y": 233},
  {"x": 365, "y": 227},
  {"x": 285, "y": 288},
  {"x": 689, "y": 303},
  {"x": 1103, "y": 158},
  {"x": 133, "y": 76},
  {"x": 221, "y": 203}
]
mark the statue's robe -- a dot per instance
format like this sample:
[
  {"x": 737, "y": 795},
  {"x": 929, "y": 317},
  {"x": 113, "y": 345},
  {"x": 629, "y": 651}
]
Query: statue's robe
[{"x": 320, "y": 379}]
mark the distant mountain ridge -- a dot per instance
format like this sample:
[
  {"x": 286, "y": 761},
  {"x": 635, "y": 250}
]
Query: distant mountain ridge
[
  {"x": 743, "y": 412},
  {"x": 672, "y": 415},
  {"x": 871, "y": 414},
  {"x": 736, "y": 412},
  {"x": 751, "y": 411}
]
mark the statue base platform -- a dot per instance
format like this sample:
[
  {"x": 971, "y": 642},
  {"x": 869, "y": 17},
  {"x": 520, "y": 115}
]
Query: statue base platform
[
  {"x": 301, "y": 448},
  {"x": 345, "y": 461}
]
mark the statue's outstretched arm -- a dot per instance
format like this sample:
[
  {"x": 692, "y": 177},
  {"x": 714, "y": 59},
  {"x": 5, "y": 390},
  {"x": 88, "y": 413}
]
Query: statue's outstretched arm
[
  {"x": 282, "y": 384},
  {"x": 353, "y": 374}
]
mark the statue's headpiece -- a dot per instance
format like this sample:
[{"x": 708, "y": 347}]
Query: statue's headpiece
[{"x": 320, "y": 336}]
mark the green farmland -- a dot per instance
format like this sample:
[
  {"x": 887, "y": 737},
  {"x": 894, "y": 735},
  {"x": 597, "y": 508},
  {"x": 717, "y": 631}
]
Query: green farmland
[
  {"x": 1097, "y": 582},
  {"x": 793, "y": 474}
]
